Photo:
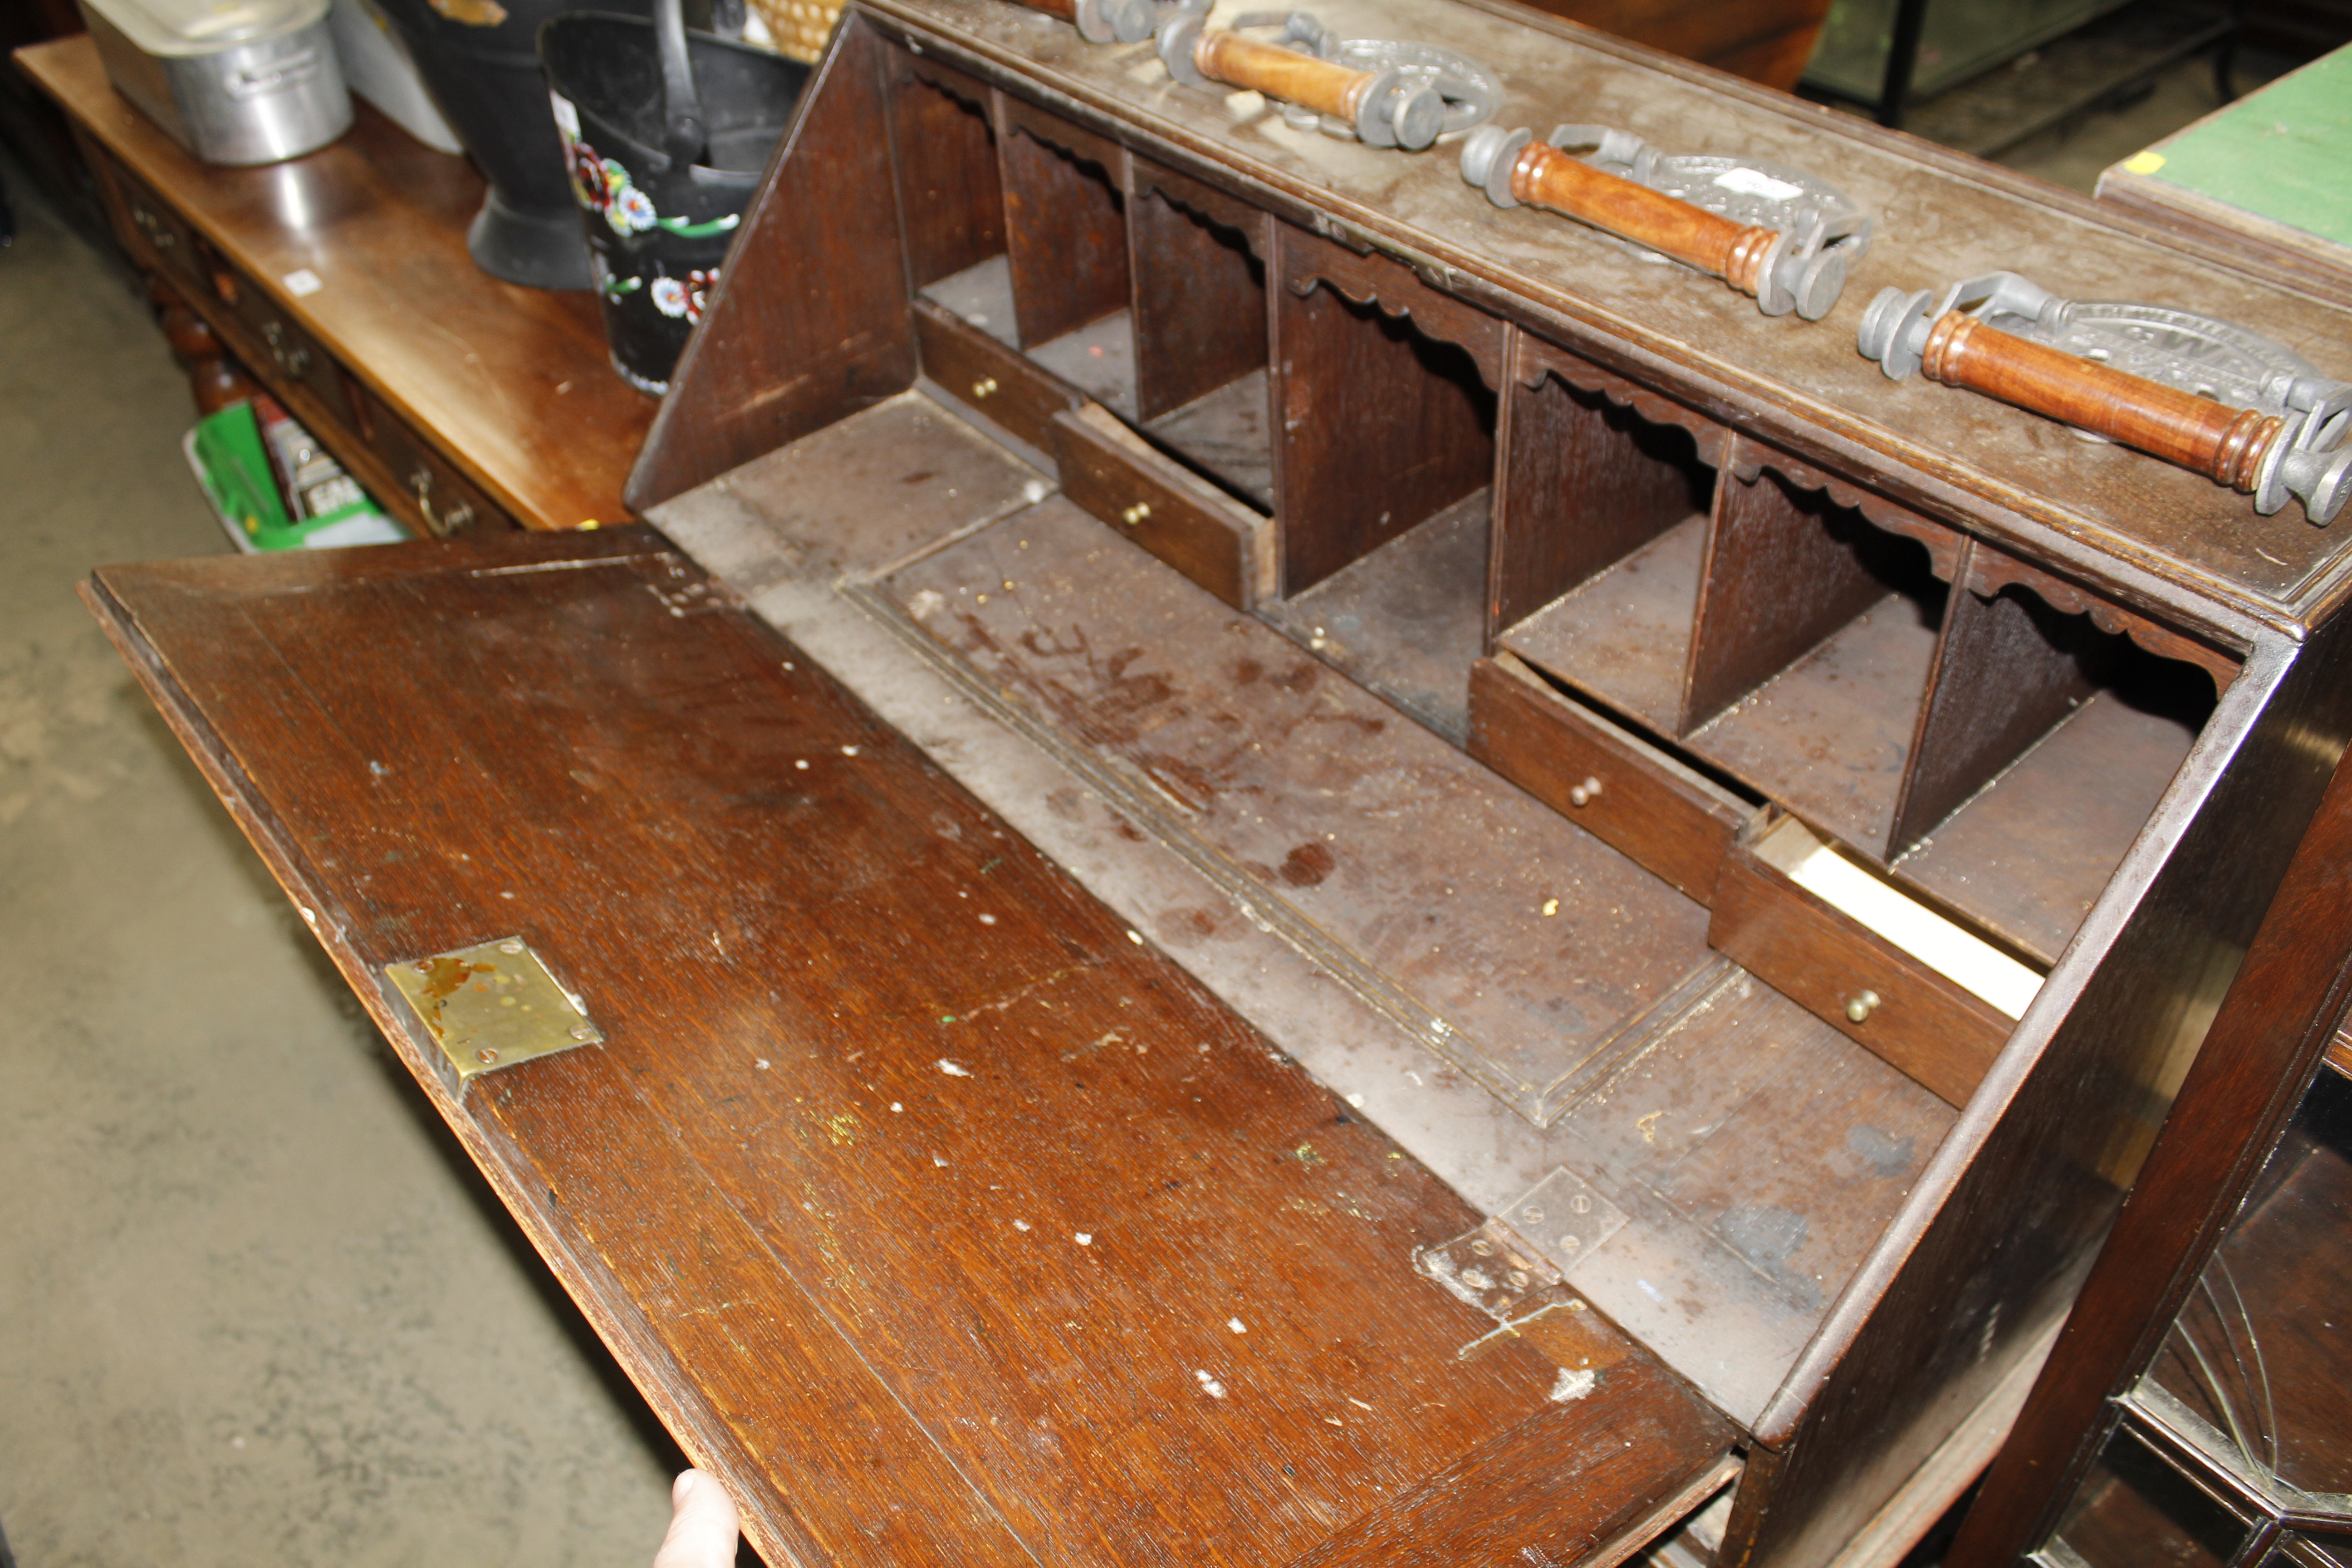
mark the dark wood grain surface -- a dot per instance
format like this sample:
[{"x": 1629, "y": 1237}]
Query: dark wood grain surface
[
  {"x": 1829, "y": 736},
  {"x": 1584, "y": 483},
  {"x": 947, "y": 1220},
  {"x": 1200, "y": 290},
  {"x": 2034, "y": 1169},
  {"x": 950, "y": 201},
  {"x": 2027, "y": 856},
  {"x": 1003, "y": 387},
  {"x": 513, "y": 383},
  {"x": 1784, "y": 569},
  {"x": 1377, "y": 425},
  {"x": 1065, "y": 221},
  {"x": 1194, "y": 527},
  {"x": 2008, "y": 669},
  {"x": 1625, "y": 634},
  {"x": 1372, "y": 834}
]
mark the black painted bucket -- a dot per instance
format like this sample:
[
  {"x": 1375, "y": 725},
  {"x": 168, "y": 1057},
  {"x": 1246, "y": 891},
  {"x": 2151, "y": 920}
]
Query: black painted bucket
[
  {"x": 478, "y": 59},
  {"x": 667, "y": 133}
]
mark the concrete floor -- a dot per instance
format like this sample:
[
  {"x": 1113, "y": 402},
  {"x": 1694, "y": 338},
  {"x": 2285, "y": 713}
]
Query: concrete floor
[
  {"x": 253, "y": 1305},
  {"x": 2072, "y": 154}
]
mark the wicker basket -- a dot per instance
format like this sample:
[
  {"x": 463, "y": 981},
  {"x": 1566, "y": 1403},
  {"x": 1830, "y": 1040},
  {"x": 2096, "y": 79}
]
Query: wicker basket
[{"x": 798, "y": 27}]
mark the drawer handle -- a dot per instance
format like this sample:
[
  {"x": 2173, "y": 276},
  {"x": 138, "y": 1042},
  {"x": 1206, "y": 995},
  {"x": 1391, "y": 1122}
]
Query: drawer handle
[
  {"x": 294, "y": 359},
  {"x": 985, "y": 387},
  {"x": 457, "y": 519},
  {"x": 162, "y": 238},
  {"x": 1136, "y": 514},
  {"x": 1861, "y": 1005},
  {"x": 1586, "y": 793}
]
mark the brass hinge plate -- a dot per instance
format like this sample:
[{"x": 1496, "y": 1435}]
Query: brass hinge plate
[{"x": 492, "y": 1005}]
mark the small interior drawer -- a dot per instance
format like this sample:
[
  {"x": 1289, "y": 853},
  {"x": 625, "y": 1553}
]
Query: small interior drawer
[
  {"x": 1676, "y": 823},
  {"x": 1181, "y": 518},
  {"x": 991, "y": 377},
  {"x": 1894, "y": 975}
]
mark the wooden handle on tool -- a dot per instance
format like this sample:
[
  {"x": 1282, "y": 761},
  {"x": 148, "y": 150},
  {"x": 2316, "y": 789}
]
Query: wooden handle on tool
[
  {"x": 2224, "y": 444},
  {"x": 1281, "y": 73},
  {"x": 1067, "y": 10},
  {"x": 1547, "y": 177}
]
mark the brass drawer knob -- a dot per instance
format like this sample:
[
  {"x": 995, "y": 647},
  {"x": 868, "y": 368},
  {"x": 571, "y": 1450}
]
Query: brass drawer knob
[
  {"x": 985, "y": 387},
  {"x": 1136, "y": 514},
  {"x": 1861, "y": 1005},
  {"x": 1586, "y": 793}
]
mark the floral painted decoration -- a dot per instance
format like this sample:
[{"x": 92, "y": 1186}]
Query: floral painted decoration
[
  {"x": 672, "y": 298},
  {"x": 603, "y": 186}
]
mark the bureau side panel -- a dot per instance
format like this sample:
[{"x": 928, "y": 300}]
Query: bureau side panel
[{"x": 2006, "y": 1220}]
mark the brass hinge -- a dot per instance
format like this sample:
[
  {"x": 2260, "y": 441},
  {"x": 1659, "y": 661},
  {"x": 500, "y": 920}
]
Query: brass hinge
[{"x": 492, "y": 1005}]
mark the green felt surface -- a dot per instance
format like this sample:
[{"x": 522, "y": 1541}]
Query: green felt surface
[{"x": 2283, "y": 153}]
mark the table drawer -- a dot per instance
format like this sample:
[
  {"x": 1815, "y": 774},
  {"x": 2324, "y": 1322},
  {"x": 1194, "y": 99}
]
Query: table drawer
[
  {"x": 427, "y": 488},
  {"x": 992, "y": 378},
  {"x": 1907, "y": 1010},
  {"x": 160, "y": 232},
  {"x": 1183, "y": 520},
  {"x": 270, "y": 342},
  {"x": 1678, "y": 824}
]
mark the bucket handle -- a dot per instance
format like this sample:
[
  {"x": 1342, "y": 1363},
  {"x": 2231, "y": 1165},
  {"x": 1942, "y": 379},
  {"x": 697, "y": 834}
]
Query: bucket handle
[{"x": 684, "y": 131}]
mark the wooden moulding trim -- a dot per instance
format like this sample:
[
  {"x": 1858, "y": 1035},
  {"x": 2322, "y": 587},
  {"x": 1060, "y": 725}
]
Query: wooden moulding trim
[
  {"x": 1992, "y": 570},
  {"x": 915, "y": 67},
  {"x": 1014, "y": 113},
  {"x": 1779, "y": 1424},
  {"x": 1145, "y": 178},
  {"x": 1752, "y": 457},
  {"x": 1537, "y": 358},
  {"x": 1396, "y": 291}
]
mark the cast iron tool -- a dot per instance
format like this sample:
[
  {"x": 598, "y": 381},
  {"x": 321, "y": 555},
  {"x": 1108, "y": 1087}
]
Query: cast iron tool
[
  {"x": 1387, "y": 93},
  {"x": 1778, "y": 233},
  {"x": 2210, "y": 395}
]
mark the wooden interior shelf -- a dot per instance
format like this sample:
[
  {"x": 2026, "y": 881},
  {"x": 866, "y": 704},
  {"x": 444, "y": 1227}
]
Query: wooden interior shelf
[
  {"x": 1408, "y": 620},
  {"x": 1623, "y": 635},
  {"x": 982, "y": 296}
]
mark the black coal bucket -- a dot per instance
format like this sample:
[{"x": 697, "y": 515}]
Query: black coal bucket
[
  {"x": 667, "y": 133},
  {"x": 478, "y": 58}
]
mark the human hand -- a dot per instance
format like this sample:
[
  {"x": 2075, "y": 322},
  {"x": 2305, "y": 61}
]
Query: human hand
[{"x": 701, "y": 1524}]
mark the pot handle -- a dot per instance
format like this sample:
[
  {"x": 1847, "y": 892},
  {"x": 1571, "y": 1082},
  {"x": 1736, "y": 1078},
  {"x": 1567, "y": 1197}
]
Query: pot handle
[{"x": 684, "y": 131}]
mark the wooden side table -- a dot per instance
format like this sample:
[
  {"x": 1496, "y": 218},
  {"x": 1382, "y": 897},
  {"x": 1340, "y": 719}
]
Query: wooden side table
[{"x": 341, "y": 280}]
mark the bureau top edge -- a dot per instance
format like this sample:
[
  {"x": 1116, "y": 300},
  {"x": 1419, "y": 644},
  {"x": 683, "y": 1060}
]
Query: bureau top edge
[{"x": 2148, "y": 529}]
